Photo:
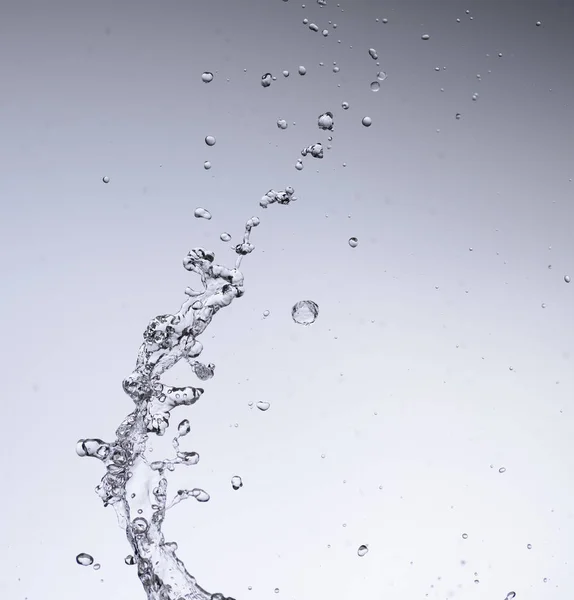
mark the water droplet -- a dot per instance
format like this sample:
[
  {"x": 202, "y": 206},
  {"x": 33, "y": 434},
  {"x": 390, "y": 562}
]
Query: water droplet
[
  {"x": 510, "y": 595},
  {"x": 207, "y": 77},
  {"x": 266, "y": 313},
  {"x": 200, "y": 495},
  {"x": 282, "y": 124},
  {"x": 381, "y": 75},
  {"x": 375, "y": 86},
  {"x": 325, "y": 32},
  {"x": 529, "y": 546},
  {"x": 285, "y": 73},
  {"x": 345, "y": 105},
  {"x": 305, "y": 312},
  {"x": 538, "y": 23},
  {"x": 302, "y": 70},
  {"x": 502, "y": 470},
  {"x": 353, "y": 242},
  {"x": 475, "y": 96},
  {"x": 336, "y": 69},
  {"x": 567, "y": 278},
  {"x": 373, "y": 54},
  {"x": 106, "y": 179},
  {"x": 425, "y": 37},
  {"x": 84, "y": 559},
  {"x": 313, "y": 27},
  {"x": 207, "y": 165},
  {"x": 236, "y": 482},
  {"x": 325, "y": 121},
  {"x": 543, "y": 305},
  {"x": 184, "y": 428},
  {"x": 465, "y": 536},
  {"x": 299, "y": 165},
  {"x": 263, "y": 406},
  {"x": 266, "y": 80},
  {"x": 276, "y": 590},
  {"x": 210, "y": 140},
  {"x": 362, "y": 550},
  {"x": 202, "y": 213},
  {"x": 457, "y": 116},
  {"x": 367, "y": 121},
  {"x": 225, "y": 237},
  {"x": 130, "y": 560},
  {"x": 97, "y": 566}
]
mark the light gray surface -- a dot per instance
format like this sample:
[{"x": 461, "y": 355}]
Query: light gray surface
[{"x": 114, "y": 89}]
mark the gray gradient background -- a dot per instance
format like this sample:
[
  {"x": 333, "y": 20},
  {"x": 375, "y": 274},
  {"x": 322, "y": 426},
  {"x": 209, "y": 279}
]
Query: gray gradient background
[{"x": 398, "y": 384}]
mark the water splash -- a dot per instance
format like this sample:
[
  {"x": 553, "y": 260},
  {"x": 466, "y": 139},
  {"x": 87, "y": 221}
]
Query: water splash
[{"x": 136, "y": 487}]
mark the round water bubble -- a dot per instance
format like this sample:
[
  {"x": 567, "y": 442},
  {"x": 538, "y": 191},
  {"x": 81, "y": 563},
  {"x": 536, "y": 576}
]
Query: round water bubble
[
  {"x": 538, "y": 23},
  {"x": 373, "y": 54},
  {"x": 510, "y": 596},
  {"x": 353, "y": 242},
  {"x": 425, "y": 37},
  {"x": 305, "y": 312},
  {"x": 345, "y": 105},
  {"x": 96, "y": 566},
  {"x": 325, "y": 121},
  {"x": 236, "y": 482},
  {"x": 282, "y": 124},
  {"x": 375, "y": 86},
  {"x": 381, "y": 75},
  {"x": 285, "y": 73},
  {"x": 336, "y": 69},
  {"x": 130, "y": 560},
  {"x": 84, "y": 559},
  {"x": 502, "y": 470},
  {"x": 207, "y": 165},
  {"x": 225, "y": 237},
  {"x": 302, "y": 70},
  {"x": 367, "y": 121},
  {"x": 202, "y": 213},
  {"x": 266, "y": 313},
  {"x": 207, "y": 77},
  {"x": 567, "y": 278},
  {"x": 210, "y": 140},
  {"x": 106, "y": 179},
  {"x": 475, "y": 96},
  {"x": 362, "y": 550},
  {"x": 457, "y": 116},
  {"x": 266, "y": 79},
  {"x": 465, "y": 536},
  {"x": 263, "y": 406},
  {"x": 299, "y": 165}
]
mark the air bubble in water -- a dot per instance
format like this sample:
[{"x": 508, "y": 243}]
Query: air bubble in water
[
  {"x": 367, "y": 121},
  {"x": 325, "y": 121},
  {"x": 106, "y": 179},
  {"x": 375, "y": 86},
  {"x": 302, "y": 70},
  {"x": 96, "y": 566},
  {"x": 207, "y": 77},
  {"x": 207, "y": 165},
  {"x": 538, "y": 23},
  {"x": 282, "y": 124},
  {"x": 299, "y": 165},
  {"x": 266, "y": 313},
  {"x": 465, "y": 536},
  {"x": 285, "y": 73},
  {"x": 373, "y": 54},
  {"x": 567, "y": 278},
  {"x": 425, "y": 37},
  {"x": 202, "y": 213},
  {"x": 336, "y": 69},
  {"x": 305, "y": 312},
  {"x": 225, "y": 237},
  {"x": 381, "y": 75},
  {"x": 266, "y": 79},
  {"x": 529, "y": 546},
  {"x": 510, "y": 596},
  {"x": 263, "y": 406},
  {"x": 325, "y": 32},
  {"x": 345, "y": 105},
  {"x": 475, "y": 96},
  {"x": 84, "y": 559},
  {"x": 502, "y": 470},
  {"x": 362, "y": 550},
  {"x": 457, "y": 116},
  {"x": 210, "y": 140},
  {"x": 353, "y": 242},
  {"x": 183, "y": 428},
  {"x": 313, "y": 27},
  {"x": 236, "y": 482},
  {"x": 130, "y": 560}
]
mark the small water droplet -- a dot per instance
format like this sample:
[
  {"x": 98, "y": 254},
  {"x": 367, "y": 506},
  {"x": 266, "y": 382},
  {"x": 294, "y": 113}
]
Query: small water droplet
[
  {"x": 285, "y": 73},
  {"x": 457, "y": 116},
  {"x": 302, "y": 70},
  {"x": 282, "y": 124},
  {"x": 210, "y": 140},
  {"x": 529, "y": 546},
  {"x": 202, "y": 213},
  {"x": 97, "y": 566},
  {"x": 510, "y": 595},
  {"x": 313, "y": 27},
  {"x": 276, "y": 590},
  {"x": 266, "y": 80},
  {"x": 475, "y": 96},
  {"x": 84, "y": 559},
  {"x": 502, "y": 470},
  {"x": 538, "y": 23},
  {"x": 362, "y": 550},
  {"x": 465, "y": 536},
  {"x": 425, "y": 37},
  {"x": 207, "y": 77},
  {"x": 375, "y": 86},
  {"x": 236, "y": 482},
  {"x": 373, "y": 54},
  {"x": 305, "y": 312},
  {"x": 367, "y": 121},
  {"x": 207, "y": 165},
  {"x": 184, "y": 428},
  {"x": 130, "y": 560},
  {"x": 299, "y": 165},
  {"x": 381, "y": 75},
  {"x": 353, "y": 242},
  {"x": 325, "y": 32},
  {"x": 345, "y": 105},
  {"x": 543, "y": 305},
  {"x": 106, "y": 179},
  {"x": 567, "y": 278},
  {"x": 262, "y": 405},
  {"x": 224, "y": 237},
  {"x": 336, "y": 69},
  {"x": 325, "y": 121},
  {"x": 266, "y": 313}
]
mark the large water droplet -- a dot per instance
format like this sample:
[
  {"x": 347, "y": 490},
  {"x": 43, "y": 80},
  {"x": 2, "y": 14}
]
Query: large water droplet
[
  {"x": 207, "y": 165},
  {"x": 207, "y": 77},
  {"x": 266, "y": 79},
  {"x": 299, "y": 165},
  {"x": 302, "y": 70},
  {"x": 210, "y": 140},
  {"x": 325, "y": 121},
  {"x": 353, "y": 242},
  {"x": 373, "y": 54},
  {"x": 202, "y": 213},
  {"x": 106, "y": 179},
  {"x": 236, "y": 482},
  {"x": 362, "y": 550},
  {"x": 282, "y": 124},
  {"x": 567, "y": 278},
  {"x": 367, "y": 121},
  {"x": 375, "y": 86},
  {"x": 84, "y": 559},
  {"x": 305, "y": 312}
]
